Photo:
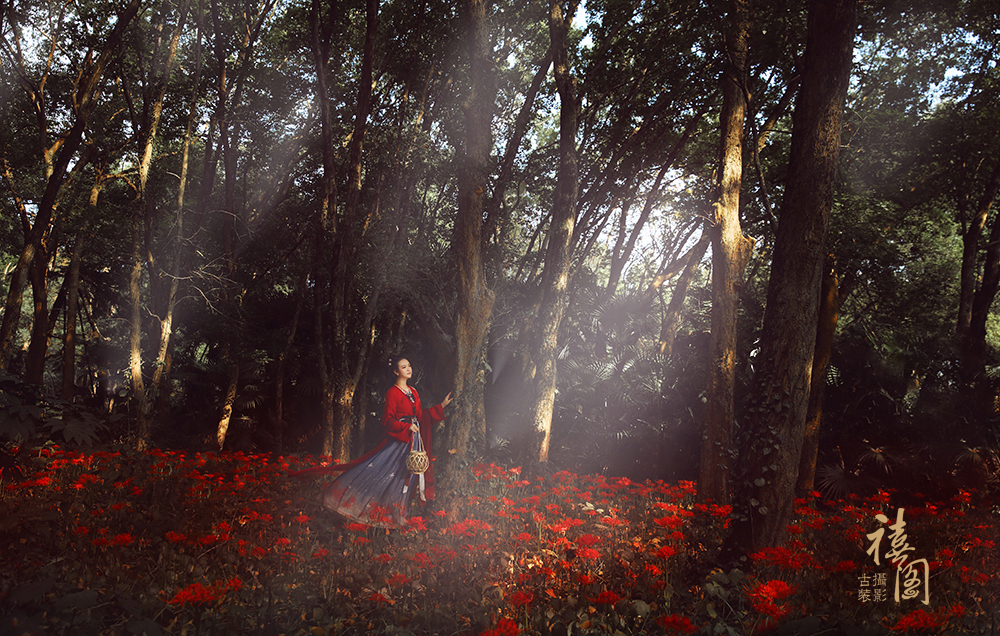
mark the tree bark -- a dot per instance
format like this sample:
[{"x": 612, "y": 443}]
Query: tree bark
[
  {"x": 555, "y": 278},
  {"x": 975, "y": 303},
  {"x": 970, "y": 253},
  {"x": 279, "y": 373},
  {"x": 829, "y": 314},
  {"x": 671, "y": 318},
  {"x": 730, "y": 254},
  {"x": 34, "y": 362},
  {"x": 475, "y": 298},
  {"x": 73, "y": 297},
  {"x": 164, "y": 358},
  {"x": 337, "y": 436},
  {"x": 327, "y": 210},
  {"x": 143, "y": 210},
  {"x": 772, "y": 434}
]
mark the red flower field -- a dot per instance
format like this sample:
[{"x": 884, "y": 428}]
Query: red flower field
[{"x": 183, "y": 543}]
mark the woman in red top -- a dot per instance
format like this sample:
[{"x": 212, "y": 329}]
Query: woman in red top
[{"x": 377, "y": 489}]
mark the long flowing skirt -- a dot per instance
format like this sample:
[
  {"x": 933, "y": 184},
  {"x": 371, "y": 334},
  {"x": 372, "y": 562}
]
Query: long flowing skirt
[{"x": 376, "y": 492}]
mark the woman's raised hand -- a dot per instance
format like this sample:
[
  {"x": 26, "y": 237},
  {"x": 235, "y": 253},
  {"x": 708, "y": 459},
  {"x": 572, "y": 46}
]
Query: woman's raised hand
[{"x": 446, "y": 401}]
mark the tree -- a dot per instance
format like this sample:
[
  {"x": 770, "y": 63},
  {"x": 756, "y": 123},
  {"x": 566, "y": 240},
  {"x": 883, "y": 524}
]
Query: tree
[
  {"x": 557, "y": 257},
  {"x": 771, "y": 440},
  {"x": 730, "y": 254},
  {"x": 146, "y": 128},
  {"x": 475, "y": 298},
  {"x": 345, "y": 304}
]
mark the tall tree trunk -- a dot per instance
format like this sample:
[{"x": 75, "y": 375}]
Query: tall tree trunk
[
  {"x": 730, "y": 254},
  {"x": 229, "y": 395},
  {"x": 138, "y": 383},
  {"x": 337, "y": 438},
  {"x": 229, "y": 97},
  {"x": 73, "y": 304},
  {"x": 671, "y": 318},
  {"x": 475, "y": 298},
  {"x": 143, "y": 210},
  {"x": 771, "y": 438},
  {"x": 164, "y": 359},
  {"x": 327, "y": 212},
  {"x": 829, "y": 313},
  {"x": 971, "y": 236},
  {"x": 975, "y": 303},
  {"x": 85, "y": 100},
  {"x": 555, "y": 279},
  {"x": 34, "y": 364},
  {"x": 279, "y": 372}
]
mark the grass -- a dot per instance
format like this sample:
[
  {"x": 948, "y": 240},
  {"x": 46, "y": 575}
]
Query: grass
[{"x": 123, "y": 542}]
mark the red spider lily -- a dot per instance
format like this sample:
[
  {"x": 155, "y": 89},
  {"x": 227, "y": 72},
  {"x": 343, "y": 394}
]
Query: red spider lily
[
  {"x": 416, "y": 523},
  {"x": 357, "y": 527},
  {"x": 175, "y": 537},
  {"x": 122, "y": 539},
  {"x": 197, "y": 593},
  {"x": 421, "y": 559},
  {"x": 384, "y": 558},
  {"x": 774, "y": 590},
  {"x": 504, "y": 627},
  {"x": 560, "y": 527},
  {"x": 920, "y": 619},
  {"x": 783, "y": 557},
  {"x": 764, "y": 598},
  {"x": 608, "y": 597},
  {"x": 378, "y": 598},
  {"x": 589, "y": 554},
  {"x": 676, "y": 623},
  {"x": 460, "y": 529},
  {"x": 587, "y": 540},
  {"x": 666, "y": 552},
  {"x": 397, "y": 579},
  {"x": 522, "y": 598},
  {"x": 446, "y": 554},
  {"x": 321, "y": 553},
  {"x": 524, "y": 537}
]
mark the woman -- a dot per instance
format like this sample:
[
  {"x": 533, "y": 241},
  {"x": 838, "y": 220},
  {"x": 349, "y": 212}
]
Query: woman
[{"x": 377, "y": 489}]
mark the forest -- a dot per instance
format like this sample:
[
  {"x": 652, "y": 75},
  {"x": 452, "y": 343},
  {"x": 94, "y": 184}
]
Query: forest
[{"x": 749, "y": 243}]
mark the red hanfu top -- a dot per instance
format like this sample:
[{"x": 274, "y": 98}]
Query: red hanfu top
[{"x": 395, "y": 425}]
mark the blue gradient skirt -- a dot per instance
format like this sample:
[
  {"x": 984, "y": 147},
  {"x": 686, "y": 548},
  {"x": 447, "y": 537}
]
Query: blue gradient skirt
[{"x": 376, "y": 492}]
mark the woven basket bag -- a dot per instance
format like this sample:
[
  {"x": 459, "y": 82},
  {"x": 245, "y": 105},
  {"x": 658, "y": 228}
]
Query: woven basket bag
[{"x": 417, "y": 461}]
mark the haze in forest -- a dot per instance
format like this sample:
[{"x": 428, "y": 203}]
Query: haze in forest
[{"x": 748, "y": 243}]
